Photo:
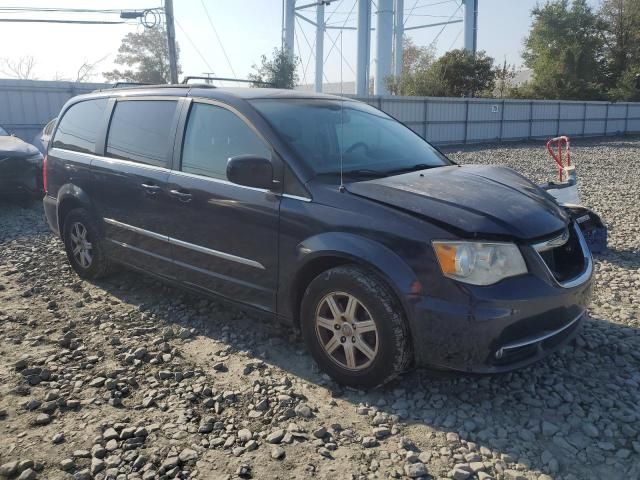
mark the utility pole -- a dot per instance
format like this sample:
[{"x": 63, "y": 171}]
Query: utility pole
[
  {"x": 171, "y": 40},
  {"x": 289, "y": 26},
  {"x": 384, "y": 45},
  {"x": 398, "y": 38},
  {"x": 471, "y": 25},
  {"x": 319, "y": 46},
  {"x": 364, "y": 47}
]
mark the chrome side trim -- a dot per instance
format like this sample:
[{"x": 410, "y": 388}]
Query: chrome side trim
[
  {"x": 216, "y": 253},
  {"x": 537, "y": 339},
  {"x": 190, "y": 246},
  {"x": 586, "y": 273},
  {"x": 139, "y": 230},
  {"x": 295, "y": 197},
  {"x": 178, "y": 173}
]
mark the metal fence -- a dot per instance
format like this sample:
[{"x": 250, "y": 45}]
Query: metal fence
[
  {"x": 458, "y": 120},
  {"x": 27, "y": 105}
]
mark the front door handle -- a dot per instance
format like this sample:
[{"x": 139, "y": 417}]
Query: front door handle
[
  {"x": 182, "y": 196},
  {"x": 150, "y": 189}
]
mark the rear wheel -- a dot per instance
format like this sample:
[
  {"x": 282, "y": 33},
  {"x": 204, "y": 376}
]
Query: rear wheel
[
  {"x": 355, "y": 328},
  {"x": 83, "y": 245}
]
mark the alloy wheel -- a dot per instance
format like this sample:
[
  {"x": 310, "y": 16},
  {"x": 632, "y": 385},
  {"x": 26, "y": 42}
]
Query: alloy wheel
[
  {"x": 81, "y": 247},
  {"x": 346, "y": 331}
]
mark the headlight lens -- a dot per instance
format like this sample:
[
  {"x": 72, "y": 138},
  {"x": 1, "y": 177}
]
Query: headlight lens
[{"x": 479, "y": 263}]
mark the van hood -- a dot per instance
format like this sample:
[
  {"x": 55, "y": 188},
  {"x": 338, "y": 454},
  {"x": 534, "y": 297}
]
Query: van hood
[{"x": 478, "y": 200}]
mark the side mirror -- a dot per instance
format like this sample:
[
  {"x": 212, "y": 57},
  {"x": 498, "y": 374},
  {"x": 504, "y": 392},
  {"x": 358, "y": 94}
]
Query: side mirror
[{"x": 250, "y": 171}]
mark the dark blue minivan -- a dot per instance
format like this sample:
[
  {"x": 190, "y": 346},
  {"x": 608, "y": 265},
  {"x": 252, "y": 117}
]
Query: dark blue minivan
[{"x": 326, "y": 213}]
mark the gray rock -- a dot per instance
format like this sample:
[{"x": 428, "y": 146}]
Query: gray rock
[
  {"x": 28, "y": 474},
  {"x": 415, "y": 470},
  {"x": 590, "y": 430},
  {"x": 369, "y": 442},
  {"x": 275, "y": 436},
  {"x": 83, "y": 475},
  {"x": 111, "y": 445},
  {"x": 67, "y": 464},
  {"x": 303, "y": 410},
  {"x": 97, "y": 382},
  {"x": 514, "y": 475},
  {"x": 277, "y": 453},
  {"x": 244, "y": 435},
  {"x": 42, "y": 419},
  {"x": 97, "y": 465},
  {"x": 9, "y": 469},
  {"x": 459, "y": 474},
  {"x": 188, "y": 455}
]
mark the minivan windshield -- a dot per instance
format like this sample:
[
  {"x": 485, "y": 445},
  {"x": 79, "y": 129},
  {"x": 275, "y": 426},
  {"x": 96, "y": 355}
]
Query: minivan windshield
[{"x": 370, "y": 143}]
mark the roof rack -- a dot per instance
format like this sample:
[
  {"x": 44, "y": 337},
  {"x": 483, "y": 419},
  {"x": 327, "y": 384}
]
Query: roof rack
[
  {"x": 130, "y": 84},
  {"x": 186, "y": 80}
]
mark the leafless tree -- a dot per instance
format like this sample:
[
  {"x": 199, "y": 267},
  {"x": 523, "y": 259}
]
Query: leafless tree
[
  {"x": 21, "y": 68},
  {"x": 87, "y": 70}
]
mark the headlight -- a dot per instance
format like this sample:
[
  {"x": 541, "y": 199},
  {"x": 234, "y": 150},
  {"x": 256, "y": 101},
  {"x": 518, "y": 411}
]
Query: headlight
[{"x": 479, "y": 263}]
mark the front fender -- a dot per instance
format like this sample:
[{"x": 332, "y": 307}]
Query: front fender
[{"x": 359, "y": 250}]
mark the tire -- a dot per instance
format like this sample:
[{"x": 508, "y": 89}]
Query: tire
[
  {"x": 389, "y": 350},
  {"x": 96, "y": 265}
]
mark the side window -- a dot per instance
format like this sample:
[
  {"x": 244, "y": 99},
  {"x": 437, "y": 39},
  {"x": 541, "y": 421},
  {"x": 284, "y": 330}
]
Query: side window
[
  {"x": 79, "y": 128},
  {"x": 213, "y": 135},
  {"x": 140, "y": 131}
]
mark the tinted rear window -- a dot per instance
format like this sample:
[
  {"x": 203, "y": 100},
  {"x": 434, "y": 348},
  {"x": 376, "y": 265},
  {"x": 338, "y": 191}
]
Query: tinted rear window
[
  {"x": 79, "y": 128},
  {"x": 141, "y": 131}
]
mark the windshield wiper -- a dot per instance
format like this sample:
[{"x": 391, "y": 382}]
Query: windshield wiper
[
  {"x": 412, "y": 168},
  {"x": 365, "y": 172}
]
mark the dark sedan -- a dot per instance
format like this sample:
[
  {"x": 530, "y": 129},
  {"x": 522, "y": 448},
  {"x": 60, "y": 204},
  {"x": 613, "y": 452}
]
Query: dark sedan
[{"x": 20, "y": 168}]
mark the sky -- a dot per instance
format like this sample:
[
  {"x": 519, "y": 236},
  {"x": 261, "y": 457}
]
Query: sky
[{"x": 246, "y": 29}]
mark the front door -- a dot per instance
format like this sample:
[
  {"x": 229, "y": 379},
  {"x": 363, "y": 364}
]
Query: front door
[
  {"x": 224, "y": 237},
  {"x": 129, "y": 182}
]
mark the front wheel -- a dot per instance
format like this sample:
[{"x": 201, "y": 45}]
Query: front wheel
[{"x": 355, "y": 328}]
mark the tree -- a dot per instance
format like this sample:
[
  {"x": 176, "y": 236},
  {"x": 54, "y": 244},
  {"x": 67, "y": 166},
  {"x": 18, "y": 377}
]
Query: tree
[
  {"x": 504, "y": 76},
  {"x": 565, "y": 51},
  {"x": 459, "y": 73},
  {"x": 22, "y": 68},
  {"x": 147, "y": 56},
  {"x": 622, "y": 46},
  {"x": 415, "y": 62},
  {"x": 279, "y": 72}
]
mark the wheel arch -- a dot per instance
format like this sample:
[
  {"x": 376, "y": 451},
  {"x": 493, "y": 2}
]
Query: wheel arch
[
  {"x": 329, "y": 250},
  {"x": 70, "y": 197}
]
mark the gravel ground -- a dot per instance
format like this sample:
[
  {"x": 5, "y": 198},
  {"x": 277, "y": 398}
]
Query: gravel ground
[{"x": 129, "y": 378}]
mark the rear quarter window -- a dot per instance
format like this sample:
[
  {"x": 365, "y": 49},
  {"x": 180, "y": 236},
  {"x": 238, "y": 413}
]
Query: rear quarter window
[
  {"x": 80, "y": 126},
  {"x": 142, "y": 131}
]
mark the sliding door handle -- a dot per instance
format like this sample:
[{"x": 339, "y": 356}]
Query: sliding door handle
[{"x": 182, "y": 196}]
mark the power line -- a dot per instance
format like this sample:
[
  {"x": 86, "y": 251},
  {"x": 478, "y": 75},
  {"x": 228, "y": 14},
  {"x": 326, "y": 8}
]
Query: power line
[
  {"x": 82, "y": 22},
  {"x": 445, "y": 26},
  {"x": 216, "y": 34},
  {"x": 433, "y": 4},
  {"x": 455, "y": 39},
  {"x": 193, "y": 44}
]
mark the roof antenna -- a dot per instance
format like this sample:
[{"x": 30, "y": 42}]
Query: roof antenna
[{"x": 341, "y": 189}]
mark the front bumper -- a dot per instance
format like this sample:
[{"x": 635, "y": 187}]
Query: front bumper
[{"x": 500, "y": 327}]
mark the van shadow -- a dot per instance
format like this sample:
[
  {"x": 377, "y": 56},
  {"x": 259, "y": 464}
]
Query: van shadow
[
  {"x": 574, "y": 414},
  {"x": 625, "y": 258}
]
